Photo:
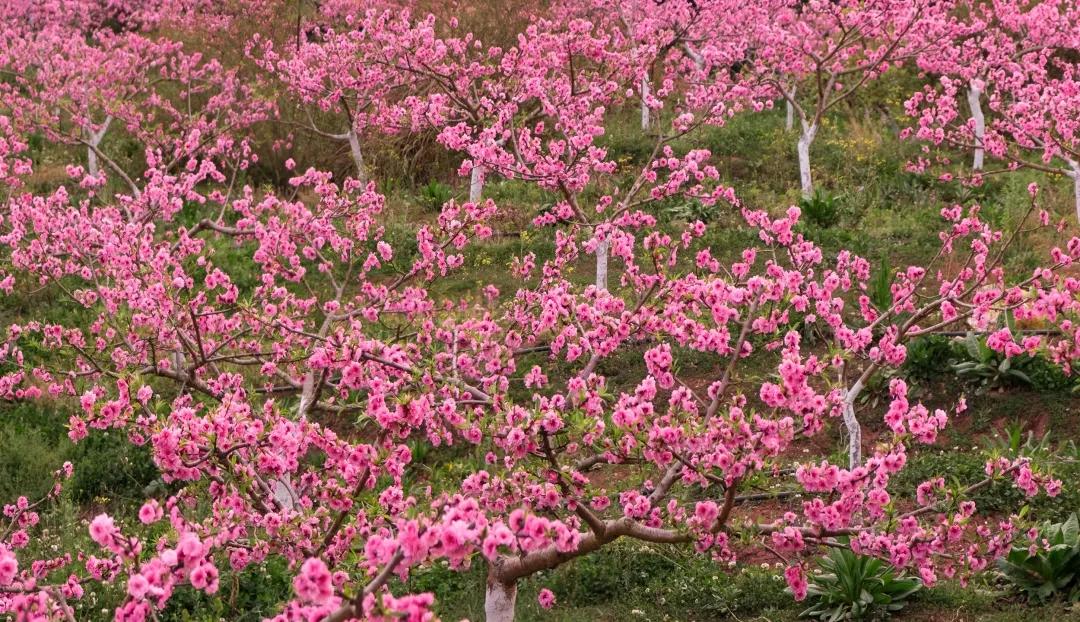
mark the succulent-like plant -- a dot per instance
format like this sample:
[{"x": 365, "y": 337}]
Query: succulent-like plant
[
  {"x": 1052, "y": 569},
  {"x": 857, "y": 587}
]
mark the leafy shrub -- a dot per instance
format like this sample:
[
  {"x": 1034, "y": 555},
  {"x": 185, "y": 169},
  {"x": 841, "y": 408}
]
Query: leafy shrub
[
  {"x": 689, "y": 211},
  {"x": 35, "y": 144},
  {"x": 34, "y": 444},
  {"x": 964, "y": 468},
  {"x": 1052, "y": 571},
  {"x": 255, "y": 593},
  {"x": 108, "y": 466},
  {"x": 987, "y": 368},
  {"x": 1045, "y": 376},
  {"x": 435, "y": 194},
  {"x": 927, "y": 357},
  {"x": 1014, "y": 443},
  {"x": 857, "y": 587},
  {"x": 821, "y": 209},
  {"x": 978, "y": 364},
  {"x": 27, "y": 460}
]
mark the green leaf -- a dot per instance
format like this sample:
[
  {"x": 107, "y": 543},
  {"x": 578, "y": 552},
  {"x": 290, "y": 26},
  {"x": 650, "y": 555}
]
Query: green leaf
[{"x": 1070, "y": 529}]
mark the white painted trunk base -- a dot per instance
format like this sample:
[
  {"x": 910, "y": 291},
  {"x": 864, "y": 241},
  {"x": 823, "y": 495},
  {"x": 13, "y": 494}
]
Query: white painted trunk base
[
  {"x": 645, "y": 112},
  {"x": 499, "y": 600},
  {"x": 602, "y": 265},
  {"x": 92, "y": 166},
  {"x": 476, "y": 184},
  {"x": 1075, "y": 174},
  {"x": 95, "y": 138},
  {"x": 975, "y": 103},
  {"x": 854, "y": 431},
  {"x": 357, "y": 155},
  {"x": 806, "y": 139},
  {"x": 789, "y": 112}
]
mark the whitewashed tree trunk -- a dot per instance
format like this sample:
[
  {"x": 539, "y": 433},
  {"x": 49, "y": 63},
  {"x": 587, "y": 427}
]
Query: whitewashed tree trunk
[
  {"x": 285, "y": 493},
  {"x": 806, "y": 181},
  {"x": 499, "y": 601},
  {"x": 1076, "y": 191},
  {"x": 699, "y": 60},
  {"x": 1075, "y": 174},
  {"x": 95, "y": 138},
  {"x": 357, "y": 154},
  {"x": 975, "y": 103},
  {"x": 476, "y": 184},
  {"x": 854, "y": 430},
  {"x": 602, "y": 265},
  {"x": 645, "y": 112},
  {"x": 789, "y": 112},
  {"x": 92, "y": 161}
]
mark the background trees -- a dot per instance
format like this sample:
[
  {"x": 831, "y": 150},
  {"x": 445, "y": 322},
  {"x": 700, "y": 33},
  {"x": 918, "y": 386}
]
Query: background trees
[
  {"x": 815, "y": 55},
  {"x": 1020, "y": 57}
]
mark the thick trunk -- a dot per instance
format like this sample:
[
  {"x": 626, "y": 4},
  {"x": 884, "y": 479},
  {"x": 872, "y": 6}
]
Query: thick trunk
[
  {"x": 601, "y": 265},
  {"x": 789, "y": 112},
  {"x": 357, "y": 154},
  {"x": 284, "y": 492},
  {"x": 645, "y": 112},
  {"x": 805, "y": 140},
  {"x": 499, "y": 601},
  {"x": 476, "y": 184},
  {"x": 699, "y": 60},
  {"x": 975, "y": 103}
]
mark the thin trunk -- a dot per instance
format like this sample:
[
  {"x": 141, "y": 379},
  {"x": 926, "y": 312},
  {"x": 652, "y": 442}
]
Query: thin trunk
[
  {"x": 975, "y": 103},
  {"x": 499, "y": 601},
  {"x": 601, "y": 265},
  {"x": 854, "y": 430},
  {"x": 805, "y": 140},
  {"x": 789, "y": 112},
  {"x": 645, "y": 113},
  {"x": 299, "y": 17},
  {"x": 357, "y": 154},
  {"x": 92, "y": 161},
  {"x": 1075, "y": 174},
  {"x": 95, "y": 138},
  {"x": 476, "y": 184}
]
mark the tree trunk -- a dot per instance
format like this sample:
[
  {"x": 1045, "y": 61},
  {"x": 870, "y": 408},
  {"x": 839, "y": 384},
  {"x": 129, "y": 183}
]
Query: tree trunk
[
  {"x": 645, "y": 112},
  {"x": 854, "y": 430},
  {"x": 95, "y": 138},
  {"x": 92, "y": 161},
  {"x": 789, "y": 112},
  {"x": 284, "y": 492},
  {"x": 601, "y": 265},
  {"x": 699, "y": 60},
  {"x": 975, "y": 103},
  {"x": 476, "y": 184},
  {"x": 1075, "y": 174},
  {"x": 357, "y": 154},
  {"x": 805, "y": 140},
  {"x": 499, "y": 601}
]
